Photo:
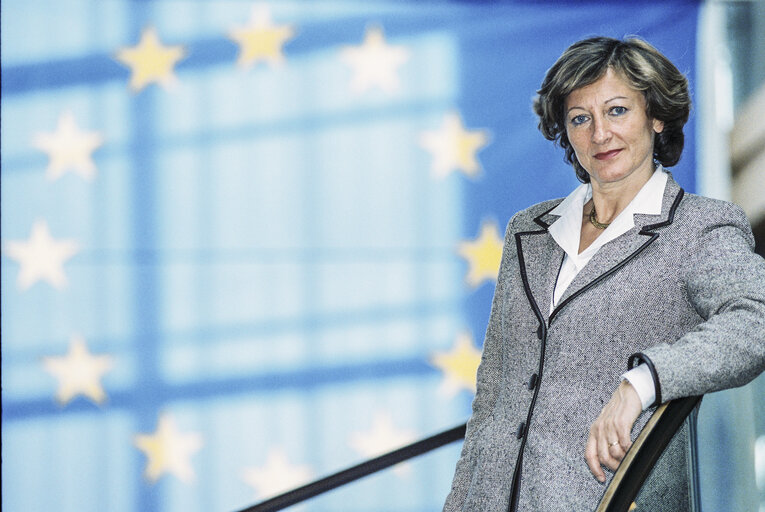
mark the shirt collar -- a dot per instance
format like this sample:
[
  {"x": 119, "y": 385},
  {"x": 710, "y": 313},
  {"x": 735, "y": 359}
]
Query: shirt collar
[
  {"x": 567, "y": 228},
  {"x": 649, "y": 199}
]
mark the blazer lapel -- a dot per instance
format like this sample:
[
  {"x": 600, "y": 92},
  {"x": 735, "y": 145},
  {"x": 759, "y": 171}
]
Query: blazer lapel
[
  {"x": 540, "y": 258},
  {"x": 618, "y": 252}
]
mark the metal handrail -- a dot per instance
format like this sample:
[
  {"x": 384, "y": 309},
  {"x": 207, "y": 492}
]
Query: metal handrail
[
  {"x": 359, "y": 471},
  {"x": 618, "y": 497}
]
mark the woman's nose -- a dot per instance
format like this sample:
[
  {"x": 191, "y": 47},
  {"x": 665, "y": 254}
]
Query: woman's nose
[{"x": 600, "y": 131}]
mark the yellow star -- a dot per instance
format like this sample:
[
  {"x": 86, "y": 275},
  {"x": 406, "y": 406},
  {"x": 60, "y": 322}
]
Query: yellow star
[
  {"x": 41, "y": 257},
  {"x": 168, "y": 450},
  {"x": 483, "y": 255},
  {"x": 276, "y": 476},
  {"x": 149, "y": 61},
  {"x": 374, "y": 63},
  {"x": 459, "y": 364},
  {"x": 261, "y": 40},
  {"x": 453, "y": 148},
  {"x": 68, "y": 148},
  {"x": 79, "y": 372}
]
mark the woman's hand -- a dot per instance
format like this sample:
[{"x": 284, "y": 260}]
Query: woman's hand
[{"x": 610, "y": 434}]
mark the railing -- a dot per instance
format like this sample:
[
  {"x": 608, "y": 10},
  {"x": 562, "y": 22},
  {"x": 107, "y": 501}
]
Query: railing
[
  {"x": 644, "y": 453},
  {"x": 359, "y": 471},
  {"x": 619, "y": 495}
]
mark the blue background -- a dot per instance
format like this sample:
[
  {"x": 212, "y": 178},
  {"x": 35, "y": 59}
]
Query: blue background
[{"x": 265, "y": 255}]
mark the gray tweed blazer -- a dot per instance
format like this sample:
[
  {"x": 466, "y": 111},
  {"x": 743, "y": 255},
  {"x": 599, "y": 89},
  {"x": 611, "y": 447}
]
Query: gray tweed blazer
[{"x": 682, "y": 291}]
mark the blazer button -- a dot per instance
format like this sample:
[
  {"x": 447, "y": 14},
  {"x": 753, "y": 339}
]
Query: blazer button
[
  {"x": 539, "y": 332},
  {"x": 521, "y": 429},
  {"x": 533, "y": 382}
]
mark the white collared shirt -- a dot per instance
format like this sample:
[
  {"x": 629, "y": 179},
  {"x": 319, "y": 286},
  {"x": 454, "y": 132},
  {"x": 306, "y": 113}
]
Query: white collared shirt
[{"x": 566, "y": 231}]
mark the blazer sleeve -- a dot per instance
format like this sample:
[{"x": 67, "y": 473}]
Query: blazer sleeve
[
  {"x": 487, "y": 381},
  {"x": 725, "y": 283}
]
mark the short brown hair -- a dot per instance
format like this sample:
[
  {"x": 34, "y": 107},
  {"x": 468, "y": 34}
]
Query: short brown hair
[{"x": 642, "y": 66}]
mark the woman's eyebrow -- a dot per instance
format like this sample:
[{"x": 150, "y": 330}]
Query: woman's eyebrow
[
  {"x": 575, "y": 107},
  {"x": 607, "y": 101}
]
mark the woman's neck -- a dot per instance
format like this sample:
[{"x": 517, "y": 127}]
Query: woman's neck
[{"x": 609, "y": 199}]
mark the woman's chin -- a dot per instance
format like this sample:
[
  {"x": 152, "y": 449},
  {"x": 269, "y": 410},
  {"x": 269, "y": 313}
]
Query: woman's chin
[{"x": 613, "y": 174}]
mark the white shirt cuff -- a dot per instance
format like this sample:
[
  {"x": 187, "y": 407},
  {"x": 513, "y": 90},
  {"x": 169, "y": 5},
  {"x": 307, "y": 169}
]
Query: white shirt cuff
[{"x": 641, "y": 379}]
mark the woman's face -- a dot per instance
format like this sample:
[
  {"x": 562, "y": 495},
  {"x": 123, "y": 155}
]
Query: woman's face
[{"x": 608, "y": 128}]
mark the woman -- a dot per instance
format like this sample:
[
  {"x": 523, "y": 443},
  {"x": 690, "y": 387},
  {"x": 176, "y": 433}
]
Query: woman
[{"x": 627, "y": 269}]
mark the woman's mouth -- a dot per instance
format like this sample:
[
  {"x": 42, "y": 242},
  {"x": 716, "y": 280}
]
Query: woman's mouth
[{"x": 606, "y": 155}]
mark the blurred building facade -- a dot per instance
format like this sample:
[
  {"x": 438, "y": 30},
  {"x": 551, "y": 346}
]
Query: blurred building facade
[{"x": 731, "y": 110}]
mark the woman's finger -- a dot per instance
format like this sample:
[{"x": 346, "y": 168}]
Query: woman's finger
[
  {"x": 604, "y": 453},
  {"x": 616, "y": 450},
  {"x": 591, "y": 456}
]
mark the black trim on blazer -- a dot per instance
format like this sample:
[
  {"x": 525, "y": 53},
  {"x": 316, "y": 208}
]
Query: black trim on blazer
[
  {"x": 670, "y": 215},
  {"x": 512, "y": 505},
  {"x": 639, "y": 357},
  {"x": 538, "y": 220},
  {"x": 647, "y": 231}
]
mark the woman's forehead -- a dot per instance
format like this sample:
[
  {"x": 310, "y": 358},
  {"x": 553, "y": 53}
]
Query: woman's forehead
[{"x": 612, "y": 85}]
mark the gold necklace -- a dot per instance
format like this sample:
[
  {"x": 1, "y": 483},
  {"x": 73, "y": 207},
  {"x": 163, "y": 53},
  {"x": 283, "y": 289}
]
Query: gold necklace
[{"x": 594, "y": 220}]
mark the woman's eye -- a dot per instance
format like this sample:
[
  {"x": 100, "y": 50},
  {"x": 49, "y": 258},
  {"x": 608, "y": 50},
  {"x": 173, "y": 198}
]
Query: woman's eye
[
  {"x": 577, "y": 120},
  {"x": 617, "y": 111}
]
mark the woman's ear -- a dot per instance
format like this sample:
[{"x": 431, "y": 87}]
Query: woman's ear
[{"x": 658, "y": 126}]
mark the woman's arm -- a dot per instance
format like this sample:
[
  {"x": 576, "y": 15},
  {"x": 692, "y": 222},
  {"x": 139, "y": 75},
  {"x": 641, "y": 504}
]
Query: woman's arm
[{"x": 725, "y": 283}]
